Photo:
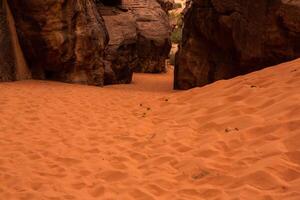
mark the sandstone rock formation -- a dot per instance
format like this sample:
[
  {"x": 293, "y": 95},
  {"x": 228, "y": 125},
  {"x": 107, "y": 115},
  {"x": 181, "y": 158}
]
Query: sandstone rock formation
[
  {"x": 7, "y": 63},
  {"x": 166, "y": 4},
  {"x": 62, "y": 40},
  {"x": 139, "y": 32},
  {"x": 68, "y": 40},
  {"x": 154, "y": 31},
  {"x": 225, "y": 38},
  {"x": 12, "y": 62},
  {"x": 121, "y": 52}
]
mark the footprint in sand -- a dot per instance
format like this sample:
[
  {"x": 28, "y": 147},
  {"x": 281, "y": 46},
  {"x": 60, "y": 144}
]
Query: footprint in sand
[
  {"x": 113, "y": 175},
  {"x": 97, "y": 191}
]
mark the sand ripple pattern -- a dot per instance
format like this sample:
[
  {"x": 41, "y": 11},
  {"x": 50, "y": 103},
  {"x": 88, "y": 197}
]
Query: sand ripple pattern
[{"x": 235, "y": 139}]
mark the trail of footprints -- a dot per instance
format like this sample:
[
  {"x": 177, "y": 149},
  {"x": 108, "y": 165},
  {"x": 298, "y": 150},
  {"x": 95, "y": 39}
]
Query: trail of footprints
[{"x": 64, "y": 149}]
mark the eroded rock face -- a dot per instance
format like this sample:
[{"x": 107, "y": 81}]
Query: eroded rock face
[
  {"x": 166, "y": 4},
  {"x": 13, "y": 65},
  {"x": 121, "y": 52},
  {"x": 154, "y": 31},
  {"x": 62, "y": 40},
  {"x": 139, "y": 32},
  {"x": 225, "y": 38},
  {"x": 68, "y": 40},
  {"x": 7, "y": 61}
]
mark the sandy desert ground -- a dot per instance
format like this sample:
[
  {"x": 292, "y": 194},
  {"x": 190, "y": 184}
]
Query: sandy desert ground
[{"x": 235, "y": 139}]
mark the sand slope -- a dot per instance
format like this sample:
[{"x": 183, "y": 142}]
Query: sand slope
[{"x": 235, "y": 139}]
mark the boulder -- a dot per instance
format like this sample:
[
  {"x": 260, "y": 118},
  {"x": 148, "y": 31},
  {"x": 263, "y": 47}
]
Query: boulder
[
  {"x": 225, "y": 38},
  {"x": 62, "y": 40},
  {"x": 121, "y": 52},
  {"x": 154, "y": 31},
  {"x": 139, "y": 32}
]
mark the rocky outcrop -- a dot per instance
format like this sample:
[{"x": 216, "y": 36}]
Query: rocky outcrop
[
  {"x": 7, "y": 61},
  {"x": 139, "y": 32},
  {"x": 12, "y": 62},
  {"x": 121, "y": 52},
  {"x": 62, "y": 40},
  {"x": 166, "y": 4},
  {"x": 154, "y": 31},
  {"x": 225, "y": 38},
  {"x": 68, "y": 40}
]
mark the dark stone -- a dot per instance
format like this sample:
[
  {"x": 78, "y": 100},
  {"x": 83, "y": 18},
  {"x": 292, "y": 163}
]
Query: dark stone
[
  {"x": 139, "y": 32},
  {"x": 154, "y": 43},
  {"x": 62, "y": 40},
  {"x": 121, "y": 52},
  {"x": 226, "y": 38},
  {"x": 166, "y": 4},
  {"x": 7, "y": 61}
]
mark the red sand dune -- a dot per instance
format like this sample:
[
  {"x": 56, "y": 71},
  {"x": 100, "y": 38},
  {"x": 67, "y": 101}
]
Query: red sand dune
[{"x": 234, "y": 139}]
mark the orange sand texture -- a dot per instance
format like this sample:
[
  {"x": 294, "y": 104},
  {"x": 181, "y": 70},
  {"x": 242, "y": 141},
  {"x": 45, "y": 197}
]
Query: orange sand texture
[{"x": 235, "y": 139}]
